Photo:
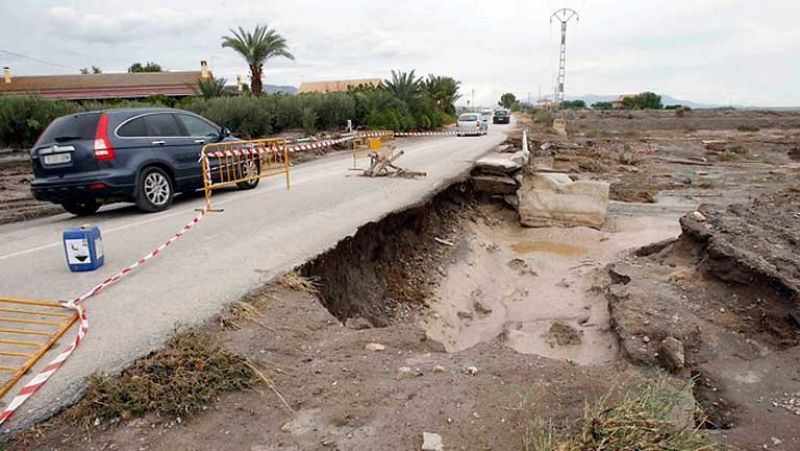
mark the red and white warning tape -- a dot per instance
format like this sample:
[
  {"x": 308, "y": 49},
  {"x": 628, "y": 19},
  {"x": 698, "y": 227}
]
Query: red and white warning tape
[
  {"x": 260, "y": 150},
  {"x": 40, "y": 379},
  {"x": 445, "y": 133}
]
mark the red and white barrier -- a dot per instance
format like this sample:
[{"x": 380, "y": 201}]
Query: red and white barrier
[
  {"x": 444, "y": 133},
  {"x": 260, "y": 150},
  {"x": 83, "y": 327}
]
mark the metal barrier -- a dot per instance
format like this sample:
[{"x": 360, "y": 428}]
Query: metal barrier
[
  {"x": 24, "y": 323},
  {"x": 365, "y": 142},
  {"x": 240, "y": 163}
]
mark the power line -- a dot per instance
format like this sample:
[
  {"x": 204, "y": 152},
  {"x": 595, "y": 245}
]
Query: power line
[{"x": 20, "y": 55}]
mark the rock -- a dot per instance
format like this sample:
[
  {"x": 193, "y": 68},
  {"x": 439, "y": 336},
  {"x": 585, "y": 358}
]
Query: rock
[
  {"x": 697, "y": 216},
  {"x": 438, "y": 369},
  {"x": 672, "y": 354},
  {"x": 432, "y": 442},
  {"x": 715, "y": 145},
  {"x": 553, "y": 199},
  {"x": 511, "y": 200},
  {"x": 464, "y": 315},
  {"x": 560, "y": 126},
  {"x": 495, "y": 184},
  {"x": 481, "y": 308},
  {"x": 358, "y": 323},
  {"x": 470, "y": 370},
  {"x": 374, "y": 347}
]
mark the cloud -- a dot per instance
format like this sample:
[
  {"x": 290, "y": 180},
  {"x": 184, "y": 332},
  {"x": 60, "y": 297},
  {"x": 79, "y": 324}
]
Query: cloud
[
  {"x": 105, "y": 29},
  {"x": 709, "y": 51}
]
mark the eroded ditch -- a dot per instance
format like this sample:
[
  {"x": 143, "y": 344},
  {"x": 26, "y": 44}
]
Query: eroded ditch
[{"x": 462, "y": 268}]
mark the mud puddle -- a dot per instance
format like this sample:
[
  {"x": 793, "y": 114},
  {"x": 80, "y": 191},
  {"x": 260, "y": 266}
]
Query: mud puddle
[{"x": 533, "y": 288}]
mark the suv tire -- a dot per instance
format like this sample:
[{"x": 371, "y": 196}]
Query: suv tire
[
  {"x": 247, "y": 167},
  {"x": 154, "y": 190},
  {"x": 81, "y": 207}
]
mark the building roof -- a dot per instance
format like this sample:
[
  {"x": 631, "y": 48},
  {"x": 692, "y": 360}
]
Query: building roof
[
  {"x": 336, "y": 85},
  {"x": 100, "y": 86}
]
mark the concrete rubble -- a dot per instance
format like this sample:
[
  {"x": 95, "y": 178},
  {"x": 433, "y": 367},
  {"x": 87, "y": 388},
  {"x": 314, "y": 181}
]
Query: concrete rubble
[
  {"x": 432, "y": 442},
  {"x": 554, "y": 199},
  {"x": 543, "y": 198}
]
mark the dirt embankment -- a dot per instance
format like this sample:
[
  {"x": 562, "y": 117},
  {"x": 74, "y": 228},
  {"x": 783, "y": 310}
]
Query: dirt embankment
[{"x": 721, "y": 304}]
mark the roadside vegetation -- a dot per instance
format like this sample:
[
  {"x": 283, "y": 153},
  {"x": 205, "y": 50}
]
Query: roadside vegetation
[
  {"x": 648, "y": 418},
  {"x": 188, "y": 374}
]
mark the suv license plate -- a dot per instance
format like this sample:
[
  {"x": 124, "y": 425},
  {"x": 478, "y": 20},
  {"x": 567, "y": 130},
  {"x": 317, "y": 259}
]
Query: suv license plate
[{"x": 58, "y": 158}]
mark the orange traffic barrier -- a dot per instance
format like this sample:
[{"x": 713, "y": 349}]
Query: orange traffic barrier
[{"x": 28, "y": 328}]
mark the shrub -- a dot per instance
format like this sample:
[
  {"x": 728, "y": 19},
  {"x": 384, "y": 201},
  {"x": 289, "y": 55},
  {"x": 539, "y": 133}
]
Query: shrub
[
  {"x": 244, "y": 116},
  {"x": 543, "y": 117},
  {"x": 309, "y": 119},
  {"x": 748, "y": 128},
  {"x": 22, "y": 119}
]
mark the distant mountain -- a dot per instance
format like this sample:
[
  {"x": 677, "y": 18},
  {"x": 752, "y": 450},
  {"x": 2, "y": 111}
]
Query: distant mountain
[
  {"x": 274, "y": 89},
  {"x": 665, "y": 99}
]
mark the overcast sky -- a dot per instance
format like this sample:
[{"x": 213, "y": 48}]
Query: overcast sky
[{"x": 713, "y": 51}]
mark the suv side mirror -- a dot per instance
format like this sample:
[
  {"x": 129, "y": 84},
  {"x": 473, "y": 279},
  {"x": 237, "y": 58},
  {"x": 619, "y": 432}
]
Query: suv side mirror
[{"x": 224, "y": 133}]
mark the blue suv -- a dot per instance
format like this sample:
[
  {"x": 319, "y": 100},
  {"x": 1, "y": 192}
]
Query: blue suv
[{"x": 141, "y": 155}]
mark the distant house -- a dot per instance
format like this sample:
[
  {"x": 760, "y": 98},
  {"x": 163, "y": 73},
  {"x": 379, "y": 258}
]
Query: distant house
[
  {"x": 619, "y": 103},
  {"x": 105, "y": 86},
  {"x": 336, "y": 85}
]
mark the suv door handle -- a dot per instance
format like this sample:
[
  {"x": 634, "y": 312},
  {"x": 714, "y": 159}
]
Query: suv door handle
[
  {"x": 159, "y": 143},
  {"x": 199, "y": 141}
]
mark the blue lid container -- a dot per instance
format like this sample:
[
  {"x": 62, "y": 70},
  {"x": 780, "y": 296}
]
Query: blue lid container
[{"x": 83, "y": 247}]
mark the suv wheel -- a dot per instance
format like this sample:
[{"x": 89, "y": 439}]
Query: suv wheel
[
  {"x": 154, "y": 190},
  {"x": 81, "y": 207},
  {"x": 251, "y": 167}
]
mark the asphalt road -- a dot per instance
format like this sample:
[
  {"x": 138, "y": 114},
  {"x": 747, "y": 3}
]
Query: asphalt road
[{"x": 261, "y": 233}]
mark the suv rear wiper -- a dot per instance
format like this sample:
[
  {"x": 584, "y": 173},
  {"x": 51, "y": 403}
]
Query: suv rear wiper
[{"x": 61, "y": 139}]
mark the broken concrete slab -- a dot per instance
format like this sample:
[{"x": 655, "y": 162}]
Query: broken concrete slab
[
  {"x": 554, "y": 199},
  {"x": 502, "y": 164},
  {"x": 495, "y": 184}
]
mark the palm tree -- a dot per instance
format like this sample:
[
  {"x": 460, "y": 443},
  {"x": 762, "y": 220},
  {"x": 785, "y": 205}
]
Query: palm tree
[
  {"x": 443, "y": 91},
  {"x": 405, "y": 86},
  {"x": 211, "y": 87},
  {"x": 257, "y": 48}
]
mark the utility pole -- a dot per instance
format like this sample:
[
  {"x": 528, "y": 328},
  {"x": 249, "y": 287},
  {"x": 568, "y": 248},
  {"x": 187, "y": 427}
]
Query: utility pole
[
  {"x": 563, "y": 15},
  {"x": 473, "y": 100}
]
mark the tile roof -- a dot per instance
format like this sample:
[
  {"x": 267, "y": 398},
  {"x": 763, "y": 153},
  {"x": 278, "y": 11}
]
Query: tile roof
[{"x": 97, "y": 86}]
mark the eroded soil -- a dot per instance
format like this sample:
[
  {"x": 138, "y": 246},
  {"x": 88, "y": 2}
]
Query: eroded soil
[{"x": 479, "y": 320}]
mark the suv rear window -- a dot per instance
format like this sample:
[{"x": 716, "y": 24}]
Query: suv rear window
[
  {"x": 468, "y": 117},
  {"x": 500, "y": 113},
  {"x": 68, "y": 128},
  {"x": 160, "y": 124}
]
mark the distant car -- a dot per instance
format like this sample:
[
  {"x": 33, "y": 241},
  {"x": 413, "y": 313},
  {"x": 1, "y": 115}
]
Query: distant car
[
  {"x": 471, "y": 124},
  {"x": 501, "y": 117},
  {"x": 142, "y": 155}
]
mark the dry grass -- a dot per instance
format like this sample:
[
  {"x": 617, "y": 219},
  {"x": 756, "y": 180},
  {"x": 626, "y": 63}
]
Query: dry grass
[
  {"x": 297, "y": 282},
  {"x": 186, "y": 375},
  {"x": 643, "y": 420}
]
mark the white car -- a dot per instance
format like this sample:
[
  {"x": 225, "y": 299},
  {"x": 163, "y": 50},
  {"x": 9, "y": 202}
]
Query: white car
[{"x": 471, "y": 124}]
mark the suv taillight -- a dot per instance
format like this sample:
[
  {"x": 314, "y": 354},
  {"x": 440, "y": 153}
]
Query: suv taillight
[
  {"x": 102, "y": 146},
  {"x": 478, "y": 124}
]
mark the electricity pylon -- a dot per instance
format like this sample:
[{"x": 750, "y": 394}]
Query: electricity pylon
[{"x": 563, "y": 15}]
